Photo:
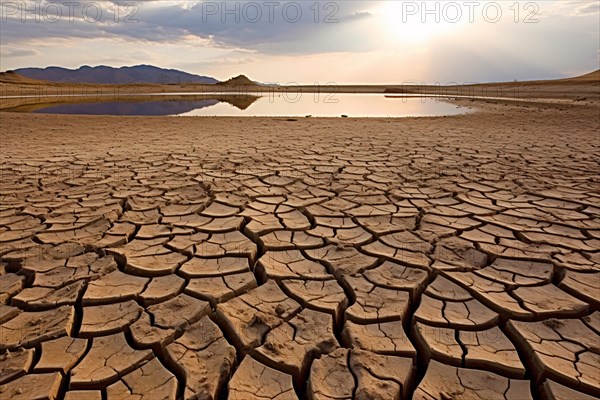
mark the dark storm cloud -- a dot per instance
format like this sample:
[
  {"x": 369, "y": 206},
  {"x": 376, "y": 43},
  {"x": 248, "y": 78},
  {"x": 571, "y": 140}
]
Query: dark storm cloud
[{"x": 286, "y": 27}]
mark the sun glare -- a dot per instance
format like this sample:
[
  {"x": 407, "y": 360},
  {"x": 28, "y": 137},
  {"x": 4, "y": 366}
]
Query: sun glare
[{"x": 410, "y": 22}]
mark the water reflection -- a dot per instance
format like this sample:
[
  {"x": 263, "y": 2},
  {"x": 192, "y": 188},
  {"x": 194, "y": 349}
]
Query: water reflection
[
  {"x": 132, "y": 105},
  {"x": 277, "y": 104}
]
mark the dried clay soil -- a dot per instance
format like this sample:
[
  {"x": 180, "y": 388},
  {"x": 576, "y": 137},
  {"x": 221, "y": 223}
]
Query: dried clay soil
[{"x": 267, "y": 258}]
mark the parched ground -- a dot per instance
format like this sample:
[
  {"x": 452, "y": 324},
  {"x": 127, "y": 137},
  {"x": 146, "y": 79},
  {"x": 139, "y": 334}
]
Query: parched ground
[{"x": 243, "y": 258}]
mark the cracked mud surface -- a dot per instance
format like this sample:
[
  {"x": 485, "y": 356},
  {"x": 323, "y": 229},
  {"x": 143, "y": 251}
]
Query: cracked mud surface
[{"x": 436, "y": 258}]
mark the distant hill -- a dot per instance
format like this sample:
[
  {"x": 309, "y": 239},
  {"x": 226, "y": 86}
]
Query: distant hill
[
  {"x": 591, "y": 77},
  {"x": 240, "y": 80},
  {"x": 110, "y": 75},
  {"x": 13, "y": 77}
]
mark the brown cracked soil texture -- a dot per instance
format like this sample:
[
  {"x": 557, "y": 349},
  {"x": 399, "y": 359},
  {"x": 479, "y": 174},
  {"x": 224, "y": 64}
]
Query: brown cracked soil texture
[{"x": 211, "y": 258}]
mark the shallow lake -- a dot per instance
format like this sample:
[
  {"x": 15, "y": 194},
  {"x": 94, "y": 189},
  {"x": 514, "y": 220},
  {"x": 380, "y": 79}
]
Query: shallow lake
[{"x": 271, "y": 105}]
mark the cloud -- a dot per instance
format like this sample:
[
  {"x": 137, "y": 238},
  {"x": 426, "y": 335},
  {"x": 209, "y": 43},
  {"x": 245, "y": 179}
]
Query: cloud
[
  {"x": 355, "y": 39},
  {"x": 16, "y": 52},
  {"x": 286, "y": 27},
  {"x": 573, "y": 8}
]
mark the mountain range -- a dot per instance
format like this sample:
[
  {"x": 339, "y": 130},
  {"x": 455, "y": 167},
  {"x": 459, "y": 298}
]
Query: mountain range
[{"x": 109, "y": 75}]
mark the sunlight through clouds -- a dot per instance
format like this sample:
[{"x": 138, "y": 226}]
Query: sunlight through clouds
[{"x": 333, "y": 36}]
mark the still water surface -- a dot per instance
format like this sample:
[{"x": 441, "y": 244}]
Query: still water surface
[{"x": 272, "y": 105}]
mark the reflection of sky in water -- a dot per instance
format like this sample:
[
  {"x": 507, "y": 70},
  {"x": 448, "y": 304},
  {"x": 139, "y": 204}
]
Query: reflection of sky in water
[
  {"x": 279, "y": 104},
  {"x": 129, "y": 108},
  {"x": 335, "y": 105}
]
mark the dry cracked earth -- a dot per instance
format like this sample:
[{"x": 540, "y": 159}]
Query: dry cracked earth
[{"x": 446, "y": 265}]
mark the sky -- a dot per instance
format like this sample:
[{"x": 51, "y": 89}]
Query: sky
[{"x": 310, "y": 42}]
